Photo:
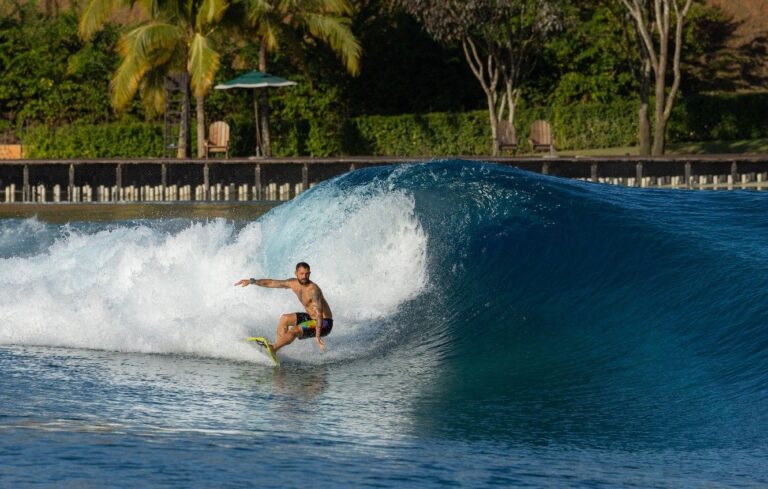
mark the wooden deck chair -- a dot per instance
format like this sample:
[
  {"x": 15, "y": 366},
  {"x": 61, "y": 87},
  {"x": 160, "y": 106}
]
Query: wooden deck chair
[
  {"x": 218, "y": 139},
  {"x": 541, "y": 136},
  {"x": 507, "y": 138}
]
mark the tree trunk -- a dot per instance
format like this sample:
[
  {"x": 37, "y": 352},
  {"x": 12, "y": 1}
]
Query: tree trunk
[
  {"x": 494, "y": 125},
  {"x": 644, "y": 114},
  {"x": 183, "y": 150},
  {"x": 481, "y": 68},
  {"x": 264, "y": 104},
  {"x": 200, "y": 113},
  {"x": 257, "y": 150},
  {"x": 660, "y": 127},
  {"x": 652, "y": 28},
  {"x": 662, "y": 20}
]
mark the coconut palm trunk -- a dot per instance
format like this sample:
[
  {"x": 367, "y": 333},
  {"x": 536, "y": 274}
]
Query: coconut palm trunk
[
  {"x": 200, "y": 115},
  {"x": 264, "y": 104},
  {"x": 183, "y": 150}
]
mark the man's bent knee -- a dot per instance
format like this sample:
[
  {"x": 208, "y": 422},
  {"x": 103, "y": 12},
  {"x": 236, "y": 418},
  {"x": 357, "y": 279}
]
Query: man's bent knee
[{"x": 289, "y": 319}]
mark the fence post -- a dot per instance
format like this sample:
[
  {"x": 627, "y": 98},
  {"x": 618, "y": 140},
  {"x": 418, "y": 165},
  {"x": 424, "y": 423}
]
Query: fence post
[
  {"x": 688, "y": 174},
  {"x": 593, "y": 171},
  {"x": 638, "y": 174},
  {"x": 71, "y": 188},
  {"x": 305, "y": 176},
  {"x": 258, "y": 194},
  {"x": 118, "y": 181},
  {"x": 206, "y": 183},
  {"x": 25, "y": 184}
]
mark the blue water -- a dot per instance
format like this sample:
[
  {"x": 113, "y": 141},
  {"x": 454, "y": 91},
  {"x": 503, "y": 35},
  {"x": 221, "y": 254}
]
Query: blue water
[{"x": 492, "y": 328}]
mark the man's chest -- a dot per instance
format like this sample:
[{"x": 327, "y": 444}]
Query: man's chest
[{"x": 304, "y": 296}]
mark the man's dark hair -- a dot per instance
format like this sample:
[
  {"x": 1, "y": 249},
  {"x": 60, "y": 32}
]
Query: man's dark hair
[{"x": 302, "y": 264}]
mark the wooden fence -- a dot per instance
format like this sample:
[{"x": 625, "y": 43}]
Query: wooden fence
[{"x": 273, "y": 179}]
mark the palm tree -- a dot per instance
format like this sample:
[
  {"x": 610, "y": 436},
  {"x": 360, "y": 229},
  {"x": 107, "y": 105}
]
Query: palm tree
[
  {"x": 174, "y": 38},
  {"x": 287, "y": 24}
]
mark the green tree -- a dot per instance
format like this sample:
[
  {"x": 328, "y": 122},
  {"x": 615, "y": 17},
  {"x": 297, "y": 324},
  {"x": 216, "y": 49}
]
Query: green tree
[
  {"x": 48, "y": 75},
  {"x": 500, "y": 39},
  {"x": 659, "y": 25},
  {"x": 176, "y": 37},
  {"x": 591, "y": 59},
  {"x": 287, "y": 25}
]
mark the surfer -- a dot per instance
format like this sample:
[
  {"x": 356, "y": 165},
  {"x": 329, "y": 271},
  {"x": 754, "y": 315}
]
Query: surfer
[{"x": 300, "y": 325}]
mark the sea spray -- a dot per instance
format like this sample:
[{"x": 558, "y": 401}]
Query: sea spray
[{"x": 138, "y": 287}]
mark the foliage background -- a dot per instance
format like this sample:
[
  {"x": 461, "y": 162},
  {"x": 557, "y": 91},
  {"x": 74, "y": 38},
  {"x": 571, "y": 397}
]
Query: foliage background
[{"x": 413, "y": 96}]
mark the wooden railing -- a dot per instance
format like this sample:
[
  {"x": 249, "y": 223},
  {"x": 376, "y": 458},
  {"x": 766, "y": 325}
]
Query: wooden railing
[{"x": 119, "y": 180}]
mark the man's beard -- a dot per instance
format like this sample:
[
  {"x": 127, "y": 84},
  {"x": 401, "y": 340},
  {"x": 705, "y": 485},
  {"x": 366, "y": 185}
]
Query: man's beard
[{"x": 303, "y": 281}]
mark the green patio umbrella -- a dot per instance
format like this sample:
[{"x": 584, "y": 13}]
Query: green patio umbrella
[{"x": 255, "y": 79}]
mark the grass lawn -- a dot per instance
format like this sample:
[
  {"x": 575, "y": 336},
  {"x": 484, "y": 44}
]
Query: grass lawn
[{"x": 747, "y": 146}]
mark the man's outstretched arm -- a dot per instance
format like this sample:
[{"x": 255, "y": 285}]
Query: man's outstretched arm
[{"x": 265, "y": 282}]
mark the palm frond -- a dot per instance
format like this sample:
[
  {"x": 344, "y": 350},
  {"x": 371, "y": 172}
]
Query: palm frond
[
  {"x": 211, "y": 12},
  {"x": 143, "y": 49},
  {"x": 257, "y": 10},
  {"x": 328, "y": 7},
  {"x": 202, "y": 65},
  {"x": 269, "y": 33},
  {"x": 154, "y": 43},
  {"x": 152, "y": 89},
  {"x": 94, "y": 14},
  {"x": 126, "y": 80},
  {"x": 335, "y": 32}
]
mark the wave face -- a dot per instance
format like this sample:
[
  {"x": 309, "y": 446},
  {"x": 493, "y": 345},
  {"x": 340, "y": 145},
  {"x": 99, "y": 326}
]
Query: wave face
[{"x": 534, "y": 303}]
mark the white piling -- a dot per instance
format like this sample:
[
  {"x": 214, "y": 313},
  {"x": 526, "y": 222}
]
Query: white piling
[
  {"x": 268, "y": 191},
  {"x": 285, "y": 191}
]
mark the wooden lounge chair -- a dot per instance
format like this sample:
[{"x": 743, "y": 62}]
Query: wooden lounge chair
[
  {"x": 218, "y": 139},
  {"x": 541, "y": 137},
  {"x": 507, "y": 138}
]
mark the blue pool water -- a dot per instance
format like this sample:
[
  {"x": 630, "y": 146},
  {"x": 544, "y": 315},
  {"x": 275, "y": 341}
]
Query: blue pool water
[{"x": 492, "y": 328}]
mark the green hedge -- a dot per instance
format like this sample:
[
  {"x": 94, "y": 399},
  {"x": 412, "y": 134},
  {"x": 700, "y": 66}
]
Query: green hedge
[
  {"x": 117, "y": 140},
  {"x": 720, "y": 117},
  {"x": 419, "y": 135},
  {"x": 595, "y": 125},
  {"x": 700, "y": 118}
]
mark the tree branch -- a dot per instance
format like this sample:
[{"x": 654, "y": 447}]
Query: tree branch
[{"x": 680, "y": 17}]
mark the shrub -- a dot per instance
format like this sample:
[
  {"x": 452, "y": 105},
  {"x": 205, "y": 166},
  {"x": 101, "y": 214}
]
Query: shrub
[
  {"x": 581, "y": 126},
  {"x": 116, "y": 140}
]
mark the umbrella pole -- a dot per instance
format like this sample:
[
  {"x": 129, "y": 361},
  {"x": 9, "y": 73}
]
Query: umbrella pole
[{"x": 258, "y": 126}]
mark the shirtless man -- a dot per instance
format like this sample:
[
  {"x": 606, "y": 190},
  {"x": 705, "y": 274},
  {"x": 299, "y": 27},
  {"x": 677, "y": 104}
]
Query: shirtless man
[{"x": 300, "y": 324}]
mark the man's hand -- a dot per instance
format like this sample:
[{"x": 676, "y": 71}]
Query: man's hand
[
  {"x": 243, "y": 283},
  {"x": 321, "y": 343}
]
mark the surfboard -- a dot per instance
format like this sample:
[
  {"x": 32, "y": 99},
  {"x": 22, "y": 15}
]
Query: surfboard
[{"x": 266, "y": 346}]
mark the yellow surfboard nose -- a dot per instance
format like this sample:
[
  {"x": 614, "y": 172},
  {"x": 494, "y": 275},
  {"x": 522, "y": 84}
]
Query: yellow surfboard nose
[{"x": 264, "y": 343}]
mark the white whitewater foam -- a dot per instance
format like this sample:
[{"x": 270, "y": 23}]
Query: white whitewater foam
[{"x": 138, "y": 288}]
